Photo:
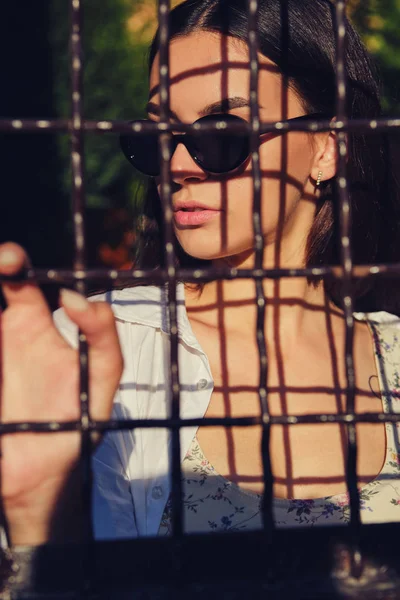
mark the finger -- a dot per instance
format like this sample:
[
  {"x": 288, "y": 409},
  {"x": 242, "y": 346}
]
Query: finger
[
  {"x": 13, "y": 259},
  {"x": 97, "y": 322}
]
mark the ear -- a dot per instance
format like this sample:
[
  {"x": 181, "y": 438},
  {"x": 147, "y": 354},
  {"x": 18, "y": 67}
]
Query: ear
[{"x": 325, "y": 156}]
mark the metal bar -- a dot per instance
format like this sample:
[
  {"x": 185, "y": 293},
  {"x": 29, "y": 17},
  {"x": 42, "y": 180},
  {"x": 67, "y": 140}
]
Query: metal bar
[
  {"x": 266, "y": 506},
  {"x": 165, "y": 193},
  {"x": 346, "y": 291},
  {"x": 370, "y": 126},
  {"x": 117, "y": 277},
  {"x": 126, "y": 424},
  {"x": 78, "y": 205}
]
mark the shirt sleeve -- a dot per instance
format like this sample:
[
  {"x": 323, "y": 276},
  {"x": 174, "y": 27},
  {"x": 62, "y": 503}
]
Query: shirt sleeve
[{"x": 113, "y": 508}]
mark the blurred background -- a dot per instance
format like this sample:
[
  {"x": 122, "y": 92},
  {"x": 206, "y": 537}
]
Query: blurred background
[{"x": 35, "y": 182}]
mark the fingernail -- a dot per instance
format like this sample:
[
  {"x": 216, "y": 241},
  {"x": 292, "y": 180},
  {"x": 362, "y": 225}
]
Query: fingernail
[
  {"x": 8, "y": 258},
  {"x": 73, "y": 300}
]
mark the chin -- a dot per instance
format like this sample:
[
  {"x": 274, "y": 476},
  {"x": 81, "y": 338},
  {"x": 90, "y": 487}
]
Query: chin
[
  {"x": 209, "y": 251},
  {"x": 207, "y": 254},
  {"x": 203, "y": 254}
]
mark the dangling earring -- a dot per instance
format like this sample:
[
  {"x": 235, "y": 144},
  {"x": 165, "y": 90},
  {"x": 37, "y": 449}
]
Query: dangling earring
[{"x": 319, "y": 179}]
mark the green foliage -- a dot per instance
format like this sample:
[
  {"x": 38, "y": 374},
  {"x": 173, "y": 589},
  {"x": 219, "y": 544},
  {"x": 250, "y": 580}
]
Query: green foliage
[
  {"x": 115, "y": 87},
  {"x": 378, "y": 22}
]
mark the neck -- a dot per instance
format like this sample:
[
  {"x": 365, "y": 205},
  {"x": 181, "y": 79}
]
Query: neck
[{"x": 292, "y": 304}]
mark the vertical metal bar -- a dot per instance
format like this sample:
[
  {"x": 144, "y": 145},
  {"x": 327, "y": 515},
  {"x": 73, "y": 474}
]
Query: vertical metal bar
[
  {"x": 78, "y": 203},
  {"x": 266, "y": 508},
  {"x": 165, "y": 192},
  {"x": 347, "y": 264}
]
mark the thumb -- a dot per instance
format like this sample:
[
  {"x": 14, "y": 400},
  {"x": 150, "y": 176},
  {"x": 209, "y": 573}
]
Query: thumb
[{"x": 96, "y": 320}]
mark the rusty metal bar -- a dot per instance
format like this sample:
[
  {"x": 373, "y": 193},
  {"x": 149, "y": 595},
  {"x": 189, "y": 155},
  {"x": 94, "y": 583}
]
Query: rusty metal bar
[
  {"x": 44, "y": 126},
  {"x": 126, "y": 424},
  {"x": 170, "y": 260},
  {"x": 266, "y": 506},
  {"x": 116, "y": 277},
  {"x": 78, "y": 208},
  {"x": 347, "y": 283}
]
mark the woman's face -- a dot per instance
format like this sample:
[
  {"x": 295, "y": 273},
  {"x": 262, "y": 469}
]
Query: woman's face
[{"x": 207, "y": 69}]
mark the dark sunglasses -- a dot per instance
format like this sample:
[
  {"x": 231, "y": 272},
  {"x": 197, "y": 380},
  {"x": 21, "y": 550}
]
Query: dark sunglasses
[{"x": 216, "y": 153}]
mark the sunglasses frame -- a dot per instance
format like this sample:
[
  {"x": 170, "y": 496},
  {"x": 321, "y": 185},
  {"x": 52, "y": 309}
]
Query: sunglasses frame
[{"x": 188, "y": 140}]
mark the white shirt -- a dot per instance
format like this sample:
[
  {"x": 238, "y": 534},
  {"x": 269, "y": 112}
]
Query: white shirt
[{"x": 131, "y": 468}]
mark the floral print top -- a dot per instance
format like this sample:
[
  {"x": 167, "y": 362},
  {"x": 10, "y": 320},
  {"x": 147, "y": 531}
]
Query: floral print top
[{"x": 212, "y": 503}]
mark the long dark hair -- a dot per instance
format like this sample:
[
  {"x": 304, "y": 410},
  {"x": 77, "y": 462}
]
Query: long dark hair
[{"x": 298, "y": 36}]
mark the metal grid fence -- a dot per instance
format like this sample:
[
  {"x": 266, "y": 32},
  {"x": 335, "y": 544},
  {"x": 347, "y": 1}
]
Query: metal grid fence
[{"x": 356, "y": 561}]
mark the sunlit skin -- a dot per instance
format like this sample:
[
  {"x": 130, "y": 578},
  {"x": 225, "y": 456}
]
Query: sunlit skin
[{"x": 308, "y": 461}]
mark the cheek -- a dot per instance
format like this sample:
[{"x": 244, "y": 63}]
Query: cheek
[
  {"x": 285, "y": 163},
  {"x": 286, "y": 158},
  {"x": 285, "y": 168}
]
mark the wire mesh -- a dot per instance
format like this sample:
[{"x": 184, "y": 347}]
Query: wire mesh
[{"x": 353, "y": 560}]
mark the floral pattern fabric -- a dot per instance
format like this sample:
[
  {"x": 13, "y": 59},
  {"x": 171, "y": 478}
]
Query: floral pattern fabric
[{"x": 212, "y": 503}]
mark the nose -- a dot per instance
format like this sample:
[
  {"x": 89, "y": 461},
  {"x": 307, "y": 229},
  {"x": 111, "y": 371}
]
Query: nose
[{"x": 184, "y": 169}]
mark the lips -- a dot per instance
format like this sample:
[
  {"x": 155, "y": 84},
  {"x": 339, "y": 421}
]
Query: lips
[
  {"x": 194, "y": 215},
  {"x": 195, "y": 209},
  {"x": 191, "y": 206}
]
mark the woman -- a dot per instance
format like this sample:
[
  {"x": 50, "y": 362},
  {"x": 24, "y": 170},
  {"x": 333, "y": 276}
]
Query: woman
[{"x": 218, "y": 355}]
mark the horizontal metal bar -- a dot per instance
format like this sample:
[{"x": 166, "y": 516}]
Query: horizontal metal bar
[
  {"x": 35, "y": 125},
  {"x": 65, "y": 125},
  {"x": 123, "y": 425},
  {"x": 161, "y": 276}
]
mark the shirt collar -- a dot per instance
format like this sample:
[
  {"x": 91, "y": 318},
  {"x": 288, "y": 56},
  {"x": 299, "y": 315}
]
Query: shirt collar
[{"x": 148, "y": 305}]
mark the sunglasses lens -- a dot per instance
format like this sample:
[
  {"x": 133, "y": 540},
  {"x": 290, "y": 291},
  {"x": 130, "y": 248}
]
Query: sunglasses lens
[
  {"x": 218, "y": 152},
  {"x": 141, "y": 150}
]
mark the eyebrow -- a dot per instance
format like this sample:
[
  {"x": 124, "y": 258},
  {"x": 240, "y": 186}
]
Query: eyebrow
[{"x": 221, "y": 106}]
